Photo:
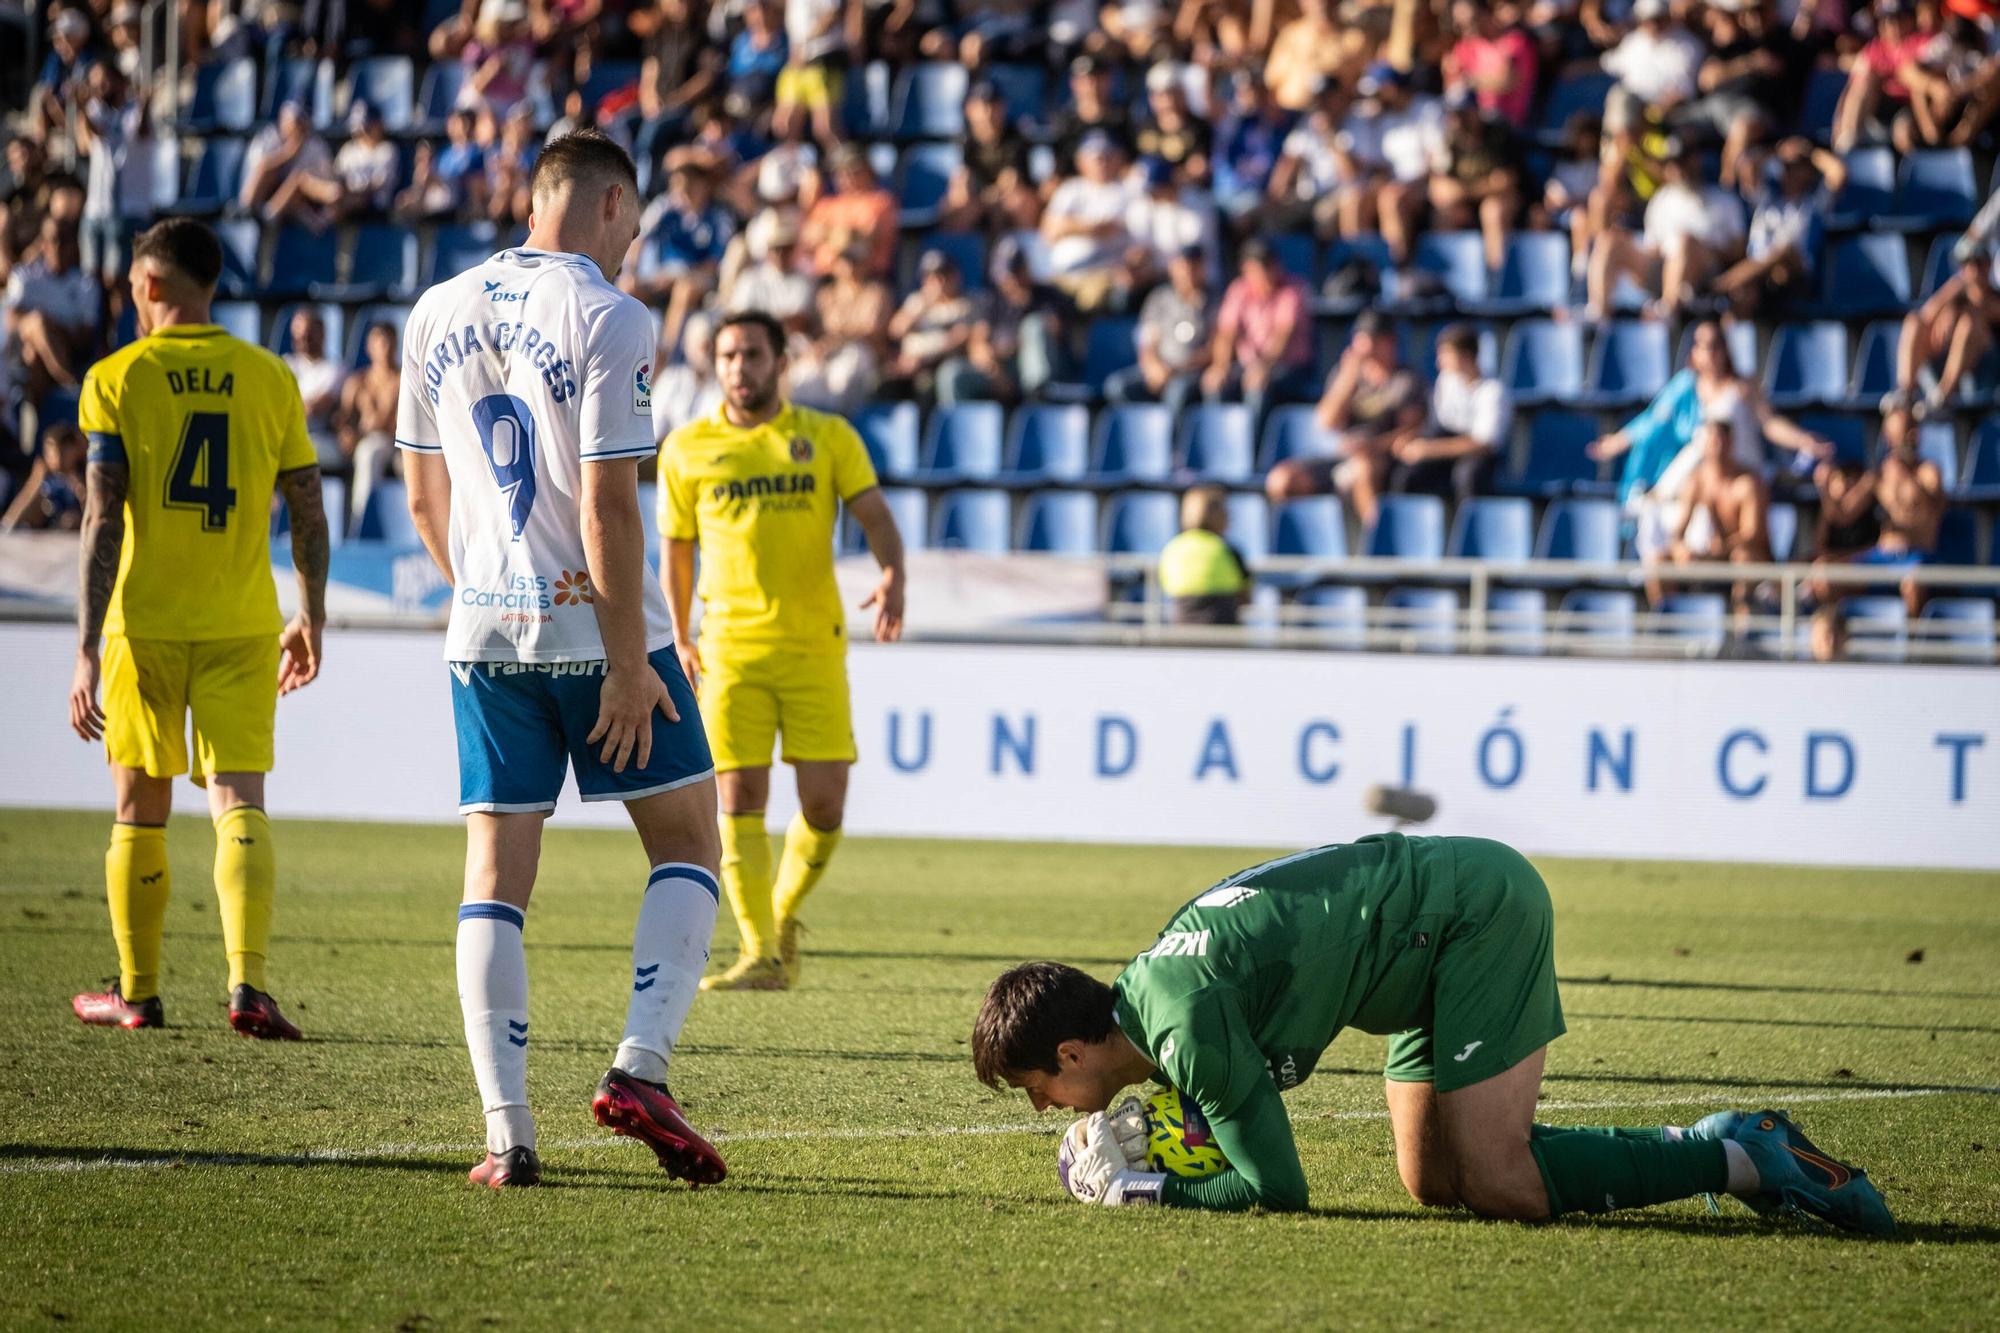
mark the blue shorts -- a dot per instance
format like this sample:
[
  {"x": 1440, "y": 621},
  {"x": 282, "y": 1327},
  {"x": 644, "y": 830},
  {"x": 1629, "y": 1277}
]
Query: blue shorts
[
  {"x": 1878, "y": 555},
  {"x": 521, "y": 724}
]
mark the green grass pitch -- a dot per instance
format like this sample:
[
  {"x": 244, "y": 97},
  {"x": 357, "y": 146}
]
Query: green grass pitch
[{"x": 189, "y": 1178}]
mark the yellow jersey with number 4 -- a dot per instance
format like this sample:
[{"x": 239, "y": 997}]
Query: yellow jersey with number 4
[
  {"x": 762, "y": 502},
  {"x": 203, "y": 423}
]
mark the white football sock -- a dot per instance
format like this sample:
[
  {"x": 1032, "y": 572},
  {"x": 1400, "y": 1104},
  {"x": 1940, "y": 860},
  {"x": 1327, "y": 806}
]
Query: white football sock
[
  {"x": 669, "y": 951},
  {"x": 1672, "y": 1133},
  {"x": 493, "y": 994},
  {"x": 1743, "y": 1177}
]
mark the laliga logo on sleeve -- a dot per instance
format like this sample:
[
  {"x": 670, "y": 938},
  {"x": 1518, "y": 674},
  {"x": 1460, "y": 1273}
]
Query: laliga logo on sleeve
[{"x": 642, "y": 387}]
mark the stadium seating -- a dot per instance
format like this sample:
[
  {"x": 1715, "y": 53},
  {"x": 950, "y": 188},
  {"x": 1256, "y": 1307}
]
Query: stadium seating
[
  {"x": 1934, "y": 188},
  {"x": 1455, "y": 259},
  {"x": 961, "y": 443},
  {"x": 302, "y": 262},
  {"x": 1312, "y": 528},
  {"x": 1878, "y": 628},
  {"x": 1958, "y": 538},
  {"x": 1249, "y": 526},
  {"x": 1962, "y": 625},
  {"x": 1823, "y": 90},
  {"x": 387, "y": 519},
  {"x": 332, "y": 315},
  {"x": 1336, "y": 615},
  {"x": 1609, "y": 617},
  {"x": 1406, "y": 527},
  {"x": 396, "y": 316},
  {"x": 1847, "y": 434},
  {"x": 1132, "y": 443},
  {"x": 1292, "y": 431},
  {"x": 388, "y": 84},
  {"x": 1937, "y": 442},
  {"x": 1492, "y": 528},
  {"x": 457, "y": 248},
  {"x": 383, "y": 263},
  {"x": 1046, "y": 442},
  {"x": 240, "y": 243},
  {"x": 437, "y": 95},
  {"x": 1628, "y": 364},
  {"x": 1586, "y": 531},
  {"x": 965, "y": 250},
  {"x": 1216, "y": 443},
  {"x": 1140, "y": 523},
  {"x": 1534, "y": 276},
  {"x": 1874, "y": 372},
  {"x": 1698, "y": 619},
  {"x": 225, "y": 97},
  {"x": 1555, "y": 463},
  {"x": 1571, "y": 94},
  {"x": 293, "y": 79},
  {"x": 972, "y": 520},
  {"x": 929, "y": 102},
  {"x": 1869, "y": 190},
  {"x": 239, "y": 318},
  {"x": 1982, "y": 465},
  {"x": 890, "y": 432},
  {"x": 909, "y": 507},
  {"x": 213, "y": 177},
  {"x": 1426, "y": 618},
  {"x": 1542, "y": 362},
  {"x": 1865, "y": 276},
  {"x": 1783, "y": 521},
  {"x": 1516, "y": 620},
  {"x": 1807, "y": 366},
  {"x": 1059, "y": 523},
  {"x": 923, "y": 174}
]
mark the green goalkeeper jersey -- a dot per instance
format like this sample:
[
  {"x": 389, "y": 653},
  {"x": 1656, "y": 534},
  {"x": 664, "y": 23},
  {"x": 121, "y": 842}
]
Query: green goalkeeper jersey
[{"x": 1249, "y": 983}]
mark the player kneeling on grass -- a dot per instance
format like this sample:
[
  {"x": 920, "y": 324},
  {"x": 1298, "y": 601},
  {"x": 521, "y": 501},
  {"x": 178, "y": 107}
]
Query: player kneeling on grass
[{"x": 1447, "y": 943}]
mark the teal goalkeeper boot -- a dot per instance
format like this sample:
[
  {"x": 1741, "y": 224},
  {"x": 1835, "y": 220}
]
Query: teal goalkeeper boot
[{"x": 1796, "y": 1176}]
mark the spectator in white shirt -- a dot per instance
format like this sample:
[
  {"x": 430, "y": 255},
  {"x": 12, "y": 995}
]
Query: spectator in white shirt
[
  {"x": 115, "y": 131},
  {"x": 1166, "y": 219},
  {"x": 1658, "y": 64},
  {"x": 1084, "y": 225},
  {"x": 52, "y": 309},
  {"x": 281, "y": 159},
  {"x": 320, "y": 378},
  {"x": 687, "y": 390},
  {"x": 1691, "y": 233},
  {"x": 773, "y": 283},
  {"x": 1314, "y": 174},
  {"x": 1392, "y": 135},
  {"x": 1471, "y": 415},
  {"x": 364, "y": 170}
]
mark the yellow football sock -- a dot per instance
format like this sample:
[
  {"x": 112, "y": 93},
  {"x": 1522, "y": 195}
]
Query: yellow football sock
[
  {"x": 136, "y": 883},
  {"x": 246, "y": 880},
  {"x": 746, "y": 878},
  {"x": 807, "y": 850}
]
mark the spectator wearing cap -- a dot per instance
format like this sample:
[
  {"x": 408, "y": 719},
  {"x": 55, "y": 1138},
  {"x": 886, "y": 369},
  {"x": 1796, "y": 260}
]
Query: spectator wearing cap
[
  {"x": 1370, "y": 401},
  {"x": 51, "y": 499},
  {"x": 1251, "y": 137},
  {"x": 1493, "y": 58},
  {"x": 1877, "y": 95},
  {"x": 1092, "y": 111},
  {"x": 61, "y": 80},
  {"x": 320, "y": 378},
  {"x": 1262, "y": 351},
  {"x": 1787, "y": 227},
  {"x": 1751, "y": 80},
  {"x": 1203, "y": 577},
  {"x": 1948, "y": 335},
  {"x": 933, "y": 324},
  {"x": 990, "y": 188},
  {"x": 841, "y": 363},
  {"x": 1164, "y": 218},
  {"x": 1084, "y": 226},
  {"x": 52, "y": 307},
  {"x": 859, "y": 210},
  {"x": 1175, "y": 331},
  {"x": 1476, "y": 180},
  {"x": 1017, "y": 338},
  {"x": 1692, "y": 233},
  {"x": 1657, "y": 63},
  {"x": 810, "y": 86},
  {"x": 114, "y": 131},
  {"x": 773, "y": 282},
  {"x": 1170, "y": 131},
  {"x": 281, "y": 158},
  {"x": 682, "y": 237},
  {"x": 1307, "y": 50},
  {"x": 757, "y": 54},
  {"x": 496, "y": 49},
  {"x": 1471, "y": 414},
  {"x": 1393, "y": 135}
]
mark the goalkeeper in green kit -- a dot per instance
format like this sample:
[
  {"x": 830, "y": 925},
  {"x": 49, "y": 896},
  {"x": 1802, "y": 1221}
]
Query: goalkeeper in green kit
[{"x": 1447, "y": 943}]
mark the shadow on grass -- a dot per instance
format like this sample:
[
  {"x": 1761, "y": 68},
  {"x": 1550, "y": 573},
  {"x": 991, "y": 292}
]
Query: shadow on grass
[
  {"x": 1788, "y": 1022},
  {"x": 1703, "y": 1081}
]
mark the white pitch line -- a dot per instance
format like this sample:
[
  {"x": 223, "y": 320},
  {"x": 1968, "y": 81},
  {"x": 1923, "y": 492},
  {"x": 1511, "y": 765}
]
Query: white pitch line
[{"x": 334, "y": 1156}]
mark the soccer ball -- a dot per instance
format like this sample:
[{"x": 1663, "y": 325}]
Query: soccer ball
[{"x": 1178, "y": 1140}]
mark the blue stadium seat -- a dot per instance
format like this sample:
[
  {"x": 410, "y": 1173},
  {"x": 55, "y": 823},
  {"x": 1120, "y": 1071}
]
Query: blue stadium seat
[
  {"x": 457, "y": 248},
  {"x": 1022, "y": 88},
  {"x": 1866, "y": 276},
  {"x": 910, "y": 507},
  {"x": 395, "y": 314},
  {"x": 1542, "y": 362},
  {"x": 1140, "y": 523},
  {"x": 961, "y": 443},
  {"x": 239, "y": 319},
  {"x": 214, "y": 178},
  {"x": 1869, "y": 190},
  {"x": 1297, "y": 254},
  {"x": 1571, "y": 94},
  {"x": 1874, "y": 371},
  {"x": 1046, "y": 442},
  {"x": 333, "y": 502},
  {"x": 1878, "y": 628},
  {"x": 965, "y": 249},
  {"x": 1699, "y": 619},
  {"x": 864, "y": 108},
  {"x": 923, "y": 174},
  {"x": 1958, "y": 538},
  {"x": 1456, "y": 259},
  {"x": 1598, "y": 613},
  {"x": 1847, "y": 435},
  {"x": 1313, "y": 527},
  {"x": 973, "y": 520},
  {"x": 1534, "y": 276},
  {"x": 225, "y": 97},
  {"x": 890, "y": 432},
  {"x": 1783, "y": 523},
  {"x": 1371, "y": 250},
  {"x": 1556, "y": 463},
  {"x": 1427, "y": 618},
  {"x": 387, "y": 519},
  {"x": 438, "y": 94},
  {"x": 1939, "y": 264},
  {"x": 1132, "y": 442},
  {"x": 383, "y": 264},
  {"x": 1807, "y": 366},
  {"x": 1493, "y": 528},
  {"x": 1937, "y": 442},
  {"x": 1823, "y": 90},
  {"x": 1934, "y": 188},
  {"x": 1249, "y": 525},
  {"x": 389, "y": 84},
  {"x": 1406, "y": 527},
  {"x": 1338, "y": 615},
  {"x": 291, "y": 79},
  {"x": 239, "y": 258},
  {"x": 1962, "y": 624},
  {"x": 1292, "y": 431},
  {"x": 1586, "y": 531},
  {"x": 332, "y": 315},
  {"x": 1516, "y": 620},
  {"x": 301, "y": 260},
  {"x": 1628, "y": 363},
  {"x": 1110, "y": 345},
  {"x": 929, "y": 102},
  {"x": 1216, "y": 443},
  {"x": 606, "y": 78},
  {"x": 1059, "y": 523}
]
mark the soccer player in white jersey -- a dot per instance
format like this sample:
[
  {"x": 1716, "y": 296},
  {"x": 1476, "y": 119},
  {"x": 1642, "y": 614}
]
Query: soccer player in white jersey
[{"x": 526, "y": 411}]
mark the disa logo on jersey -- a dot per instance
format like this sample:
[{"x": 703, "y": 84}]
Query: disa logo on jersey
[{"x": 642, "y": 387}]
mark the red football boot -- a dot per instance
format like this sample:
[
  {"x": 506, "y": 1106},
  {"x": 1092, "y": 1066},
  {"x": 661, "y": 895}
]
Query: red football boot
[
  {"x": 255, "y": 1014},
  {"x": 647, "y": 1112},
  {"x": 110, "y": 1009},
  {"x": 508, "y": 1170}
]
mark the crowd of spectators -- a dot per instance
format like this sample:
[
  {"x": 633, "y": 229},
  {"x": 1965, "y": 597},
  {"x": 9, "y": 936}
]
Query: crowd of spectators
[{"x": 1175, "y": 143}]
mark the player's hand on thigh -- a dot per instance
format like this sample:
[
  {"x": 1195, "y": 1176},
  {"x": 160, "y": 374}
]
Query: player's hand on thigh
[
  {"x": 625, "y": 715},
  {"x": 86, "y": 718}
]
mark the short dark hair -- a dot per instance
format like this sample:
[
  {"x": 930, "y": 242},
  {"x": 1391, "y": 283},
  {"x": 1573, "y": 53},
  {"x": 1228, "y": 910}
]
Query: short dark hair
[
  {"x": 1460, "y": 337},
  {"x": 586, "y": 157},
  {"x": 1029, "y": 1011},
  {"x": 387, "y": 326},
  {"x": 756, "y": 319},
  {"x": 185, "y": 245}
]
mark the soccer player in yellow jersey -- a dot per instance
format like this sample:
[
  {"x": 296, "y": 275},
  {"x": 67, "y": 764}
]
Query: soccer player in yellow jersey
[
  {"x": 757, "y": 487},
  {"x": 191, "y": 431}
]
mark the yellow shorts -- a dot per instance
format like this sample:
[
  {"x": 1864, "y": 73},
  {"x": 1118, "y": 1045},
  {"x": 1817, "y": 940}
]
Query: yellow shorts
[
  {"x": 747, "y": 700},
  {"x": 229, "y": 685},
  {"x": 810, "y": 86}
]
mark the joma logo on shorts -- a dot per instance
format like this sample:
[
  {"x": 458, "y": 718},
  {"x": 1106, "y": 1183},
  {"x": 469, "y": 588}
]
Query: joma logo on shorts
[{"x": 1181, "y": 944}]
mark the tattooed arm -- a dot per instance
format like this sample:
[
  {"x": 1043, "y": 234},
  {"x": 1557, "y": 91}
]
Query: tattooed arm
[
  {"x": 103, "y": 540},
  {"x": 310, "y": 545}
]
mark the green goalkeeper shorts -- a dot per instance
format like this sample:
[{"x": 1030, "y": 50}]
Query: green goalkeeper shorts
[{"x": 1493, "y": 985}]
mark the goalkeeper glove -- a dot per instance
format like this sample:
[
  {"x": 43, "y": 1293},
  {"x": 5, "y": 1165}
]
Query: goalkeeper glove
[{"x": 1101, "y": 1154}]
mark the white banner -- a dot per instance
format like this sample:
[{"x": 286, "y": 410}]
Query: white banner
[{"x": 1804, "y": 763}]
